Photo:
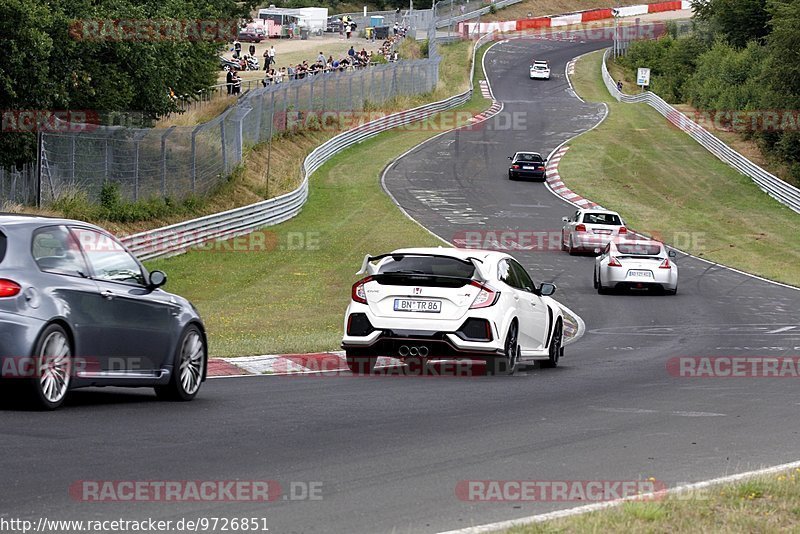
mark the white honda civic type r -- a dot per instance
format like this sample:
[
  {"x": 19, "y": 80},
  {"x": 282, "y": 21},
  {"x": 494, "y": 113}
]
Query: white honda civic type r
[{"x": 443, "y": 303}]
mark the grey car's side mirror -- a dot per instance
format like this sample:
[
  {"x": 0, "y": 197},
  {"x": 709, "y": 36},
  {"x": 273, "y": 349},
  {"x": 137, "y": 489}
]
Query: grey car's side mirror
[
  {"x": 157, "y": 279},
  {"x": 510, "y": 157},
  {"x": 597, "y": 251},
  {"x": 672, "y": 254},
  {"x": 565, "y": 219},
  {"x": 547, "y": 289}
]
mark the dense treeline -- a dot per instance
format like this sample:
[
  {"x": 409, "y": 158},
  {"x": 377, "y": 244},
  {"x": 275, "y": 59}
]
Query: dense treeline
[
  {"x": 106, "y": 56},
  {"x": 742, "y": 65}
]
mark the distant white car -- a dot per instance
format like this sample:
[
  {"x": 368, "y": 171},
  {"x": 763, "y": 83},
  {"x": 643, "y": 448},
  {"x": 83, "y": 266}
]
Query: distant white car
[
  {"x": 590, "y": 229},
  {"x": 540, "y": 70},
  {"x": 636, "y": 264},
  {"x": 445, "y": 303}
]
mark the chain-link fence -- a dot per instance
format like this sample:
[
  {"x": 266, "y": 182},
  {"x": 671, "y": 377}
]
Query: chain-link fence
[
  {"x": 179, "y": 162},
  {"x": 18, "y": 186}
]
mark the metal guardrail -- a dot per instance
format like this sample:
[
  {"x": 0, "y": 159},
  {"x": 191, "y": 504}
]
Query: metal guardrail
[
  {"x": 180, "y": 237},
  {"x": 781, "y": 191}
]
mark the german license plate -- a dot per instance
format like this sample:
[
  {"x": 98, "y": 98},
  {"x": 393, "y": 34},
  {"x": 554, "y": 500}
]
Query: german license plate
[
  {"x": 640, "y": 274},
  {"x": 415, "y": 305},
  {"x": 602, "y": 232},
  {"x": 528, "y": 168}
]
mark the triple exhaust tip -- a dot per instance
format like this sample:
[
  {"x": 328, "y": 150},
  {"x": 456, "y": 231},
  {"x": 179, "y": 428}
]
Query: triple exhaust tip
[{"x": 405, "y": 351}]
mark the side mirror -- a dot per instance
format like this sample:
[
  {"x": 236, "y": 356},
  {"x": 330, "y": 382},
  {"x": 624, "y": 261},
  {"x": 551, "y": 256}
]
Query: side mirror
[
  {"x": 511, "y": 157},
  {"x": 157, "y": 279},
  {"x": 597, "y": 251},
  {"x": 565, "y": 219},
  {"x": 672, "y": 254},
  {"x": 547, "y": 289}
]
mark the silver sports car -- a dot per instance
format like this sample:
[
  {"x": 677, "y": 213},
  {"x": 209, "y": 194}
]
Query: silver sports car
[{"x": 636, "y": 264}]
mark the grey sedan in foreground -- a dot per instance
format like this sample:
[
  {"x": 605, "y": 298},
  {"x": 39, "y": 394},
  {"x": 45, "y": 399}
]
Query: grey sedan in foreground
[{"x": 78, "y": 309}]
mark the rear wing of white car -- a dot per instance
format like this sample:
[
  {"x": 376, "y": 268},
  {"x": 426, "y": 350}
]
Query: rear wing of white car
[{"x": 369, "y": 267}]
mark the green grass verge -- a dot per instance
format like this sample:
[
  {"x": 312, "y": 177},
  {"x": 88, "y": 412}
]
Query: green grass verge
[
  {"x": 292, "y": 298},
  {"x": 766, "y": 504},
  {"x": 665, "y": 184}
]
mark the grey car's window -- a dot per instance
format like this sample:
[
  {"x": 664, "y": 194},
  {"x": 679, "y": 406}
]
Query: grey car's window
[
  {"x": 55, "y": 250},
  {"x": 506, "y": 274},
  {"x": 108, "y": 259},
  {"x": 3, "y": 243},
  {"x": 525, "y": 281}
]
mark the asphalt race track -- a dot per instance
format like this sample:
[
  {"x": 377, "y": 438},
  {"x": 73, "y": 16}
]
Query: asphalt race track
[{"x": 389, "y": 451}]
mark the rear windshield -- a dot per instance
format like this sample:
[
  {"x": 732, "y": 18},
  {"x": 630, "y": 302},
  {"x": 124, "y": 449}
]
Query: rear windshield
[
  {"x": 428, "y": 265},
  {"x": 540, "y": 67},
  {"x": 536, "y": 158},
  {"x": 602, "y": 218},
  {"x": 3, "y": 244},
  {"x": 639, "y": 249}
]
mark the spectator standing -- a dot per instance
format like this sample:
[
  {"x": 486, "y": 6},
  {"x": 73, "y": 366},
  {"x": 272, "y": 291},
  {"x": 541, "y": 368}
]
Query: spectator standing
[
  {"x": 229, "y": 81},
  {"x": 237, "y": 84},
  {"x": 321, "y": 58},
  {"x": 272, "y": 55},
  {"x": 349, "y": 29},
  {"x": 619, "y": 86},
  {"x": 266, "y": 59},
  {"x": 252, "y": 50},
  {"x": 237, "y": 48},
  {"x": 396, "y": 28},
  {"x": 351, "y": 52}
]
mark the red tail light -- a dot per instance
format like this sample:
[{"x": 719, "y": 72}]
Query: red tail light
[
  {"x": 9, "y": 288},
  {"x": 665, "y": 264},
  {"x": 623, "y": 230},
  {"x": 580, "y": 228},
  {"x": 486, "y": 296},
  {"x": 515, "y": 166},
  {"x": 358, "y": 294},
  {"x": 613, "y": 262}
]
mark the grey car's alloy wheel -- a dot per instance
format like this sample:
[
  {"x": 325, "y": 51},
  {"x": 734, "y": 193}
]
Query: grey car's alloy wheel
[
  {"x": 187, "y": 373},
  {"x": 53, "y": 368}
]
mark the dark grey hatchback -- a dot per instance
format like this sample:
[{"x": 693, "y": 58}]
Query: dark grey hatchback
[{"x": 78, "y": 309}]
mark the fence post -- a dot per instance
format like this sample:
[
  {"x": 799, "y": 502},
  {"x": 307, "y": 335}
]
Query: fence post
[
  {"x": 72, "y": 162},
  {"x": 136, "y": 171},
  {"x": 193, "y": 170},
  {"x": 324, "y": 89},
  {"x": 224, "y": 147},
  {"x": 164, "y": 162},
  {"x": 393, "y": 92},
  {"x": 350, "y": 92},
  {"x": 311, "y": 92},
  {"x": 40, "y": 155}
]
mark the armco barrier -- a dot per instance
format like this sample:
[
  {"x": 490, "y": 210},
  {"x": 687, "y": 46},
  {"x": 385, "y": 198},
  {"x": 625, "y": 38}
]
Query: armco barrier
[
  {"x": 178, "y": 238},
  {"x": 775, "y": 187}
]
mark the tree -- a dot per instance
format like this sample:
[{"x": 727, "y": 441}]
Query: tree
[
  {"x": 56, "y": 57},
  {"x": 737, "y": 21}
]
